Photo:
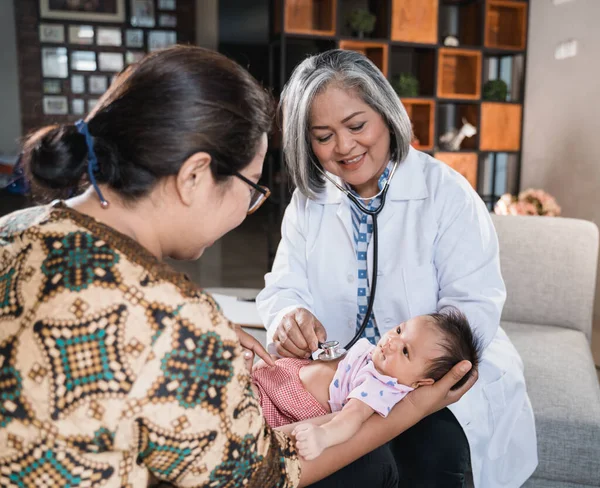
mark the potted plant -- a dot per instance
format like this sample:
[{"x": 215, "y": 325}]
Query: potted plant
[
  {"x": 495, "y": 91},
  {"x": 406, "y": 85},
  {"x": 362, "y": 22}
]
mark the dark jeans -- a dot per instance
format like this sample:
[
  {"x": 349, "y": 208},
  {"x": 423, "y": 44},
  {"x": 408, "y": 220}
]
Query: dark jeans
[
  {"x": 374, "y": 470},
  {"x": 432, "y": 454}
]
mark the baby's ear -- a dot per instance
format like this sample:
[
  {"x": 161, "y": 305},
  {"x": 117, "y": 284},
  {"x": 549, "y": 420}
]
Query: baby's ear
[{"x": 425, "y": 382}]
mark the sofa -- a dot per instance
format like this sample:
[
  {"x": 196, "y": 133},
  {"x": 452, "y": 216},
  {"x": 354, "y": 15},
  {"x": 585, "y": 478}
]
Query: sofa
[{"x": 549, "y": 266}]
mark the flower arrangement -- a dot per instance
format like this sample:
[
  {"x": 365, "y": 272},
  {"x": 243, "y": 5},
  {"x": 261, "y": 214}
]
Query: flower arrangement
[{"x": 528, "y": 202}]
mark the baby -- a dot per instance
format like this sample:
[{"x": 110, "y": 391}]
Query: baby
[{"x": 369, "y": 379}]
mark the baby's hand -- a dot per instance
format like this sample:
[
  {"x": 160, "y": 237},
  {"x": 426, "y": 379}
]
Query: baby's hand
[{"x": 310, "y": 440}]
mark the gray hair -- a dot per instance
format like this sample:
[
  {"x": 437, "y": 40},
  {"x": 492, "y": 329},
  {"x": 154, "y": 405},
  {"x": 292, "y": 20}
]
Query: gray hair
[{"x": 353, "y": 71}]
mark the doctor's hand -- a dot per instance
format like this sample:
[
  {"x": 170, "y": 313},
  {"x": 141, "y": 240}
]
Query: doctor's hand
[
  {"x": 430, "y": 399},
  {"x": 298, "y": 334}
]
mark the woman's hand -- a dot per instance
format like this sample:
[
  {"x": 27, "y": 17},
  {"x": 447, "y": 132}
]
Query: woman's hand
[
  {"x": 251, "y": 346},
  {"x": 430, "y": 399},
  {"x": 298, "y": 334}
]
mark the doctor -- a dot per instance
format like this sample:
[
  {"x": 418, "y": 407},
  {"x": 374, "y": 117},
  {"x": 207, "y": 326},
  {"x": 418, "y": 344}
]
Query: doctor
[{"x": 344, "y": 126}]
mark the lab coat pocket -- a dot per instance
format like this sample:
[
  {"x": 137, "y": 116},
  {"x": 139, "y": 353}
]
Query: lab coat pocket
[
  {"x": 496, "y": 397},
  {"x": 421, "y": 288}
]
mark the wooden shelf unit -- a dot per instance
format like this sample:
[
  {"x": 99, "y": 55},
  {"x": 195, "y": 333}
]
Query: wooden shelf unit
[
  {"x": 459, "y": 74},
  {"x": 422, "y": 115},
  {"x": 464, "y": 162},
  {"x": 408, "y": 39},
  {"x": 308, "y": 17},
  {"x": 375, "y": 51},
  {"x": 506, "y": 24},
  {"x": 500, "y": 126},
  {"x": 415, "y": 21}
]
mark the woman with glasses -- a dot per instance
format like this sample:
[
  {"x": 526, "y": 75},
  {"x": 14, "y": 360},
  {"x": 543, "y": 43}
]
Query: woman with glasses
[
  {"x": 346, "y": 138},
  {"x": 116, "y": 370}
]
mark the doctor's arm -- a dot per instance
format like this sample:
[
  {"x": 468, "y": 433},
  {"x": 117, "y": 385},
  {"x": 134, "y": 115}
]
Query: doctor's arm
[
  {"x": 467, "y": 258},
  {"x": 285, "y": 304}
]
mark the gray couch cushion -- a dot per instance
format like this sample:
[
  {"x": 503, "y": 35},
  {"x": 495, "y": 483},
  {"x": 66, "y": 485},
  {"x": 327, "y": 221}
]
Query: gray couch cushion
[
  {"x": 563, "y": 388},
  {"x": 549, "y": 266}
]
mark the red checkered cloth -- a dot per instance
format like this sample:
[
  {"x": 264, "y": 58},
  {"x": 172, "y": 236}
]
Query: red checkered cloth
[{"x": 283, "y": 398}]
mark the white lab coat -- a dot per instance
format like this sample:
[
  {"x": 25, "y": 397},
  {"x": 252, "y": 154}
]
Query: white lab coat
[{"x": 437, "y": 247}]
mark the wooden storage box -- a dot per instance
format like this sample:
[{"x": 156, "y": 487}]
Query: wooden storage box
[
  {"x": 506, "y": 24},
  {"x": 415, "y": 21},
  {"x": 459, "y": 74},
  {"x": 375, "y": 51},
  {"x": 500, "y": 127},
  {"x": 421, "y": 113},
  {"x": 310, "y": 17},
  {"x": 464, "y": 163}
]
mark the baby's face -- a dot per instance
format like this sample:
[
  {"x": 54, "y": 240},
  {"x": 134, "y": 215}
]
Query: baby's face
[{"x": 406, "y": 351}]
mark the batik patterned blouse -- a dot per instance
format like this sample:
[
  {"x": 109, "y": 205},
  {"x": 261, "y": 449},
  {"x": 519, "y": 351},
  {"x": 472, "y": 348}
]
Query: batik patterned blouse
[{"x": 115, "y": 369}]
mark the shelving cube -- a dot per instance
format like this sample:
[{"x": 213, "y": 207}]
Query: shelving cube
[
  {"x": 500, "y": 128},
  {"x": 506, "y": 24},
  {"x": 463, "y": 162},
  {"x": 375, "y": 51},
  {"x": 421, "y": 113},
  {"x": 459, "y": 74},
  {"x": 415, "y": 21},
  {"x": 308, "y": 17}
]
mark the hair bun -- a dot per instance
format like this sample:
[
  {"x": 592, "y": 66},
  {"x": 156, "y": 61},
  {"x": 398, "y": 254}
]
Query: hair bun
[{"x": 57, "y": 156}]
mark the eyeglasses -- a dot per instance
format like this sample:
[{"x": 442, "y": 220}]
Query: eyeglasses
[{"x": 259, "y": 193}]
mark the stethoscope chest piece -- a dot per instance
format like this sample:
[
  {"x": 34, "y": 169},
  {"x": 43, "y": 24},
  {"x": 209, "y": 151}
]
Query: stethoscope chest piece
[{"x": 331, "y": 351}]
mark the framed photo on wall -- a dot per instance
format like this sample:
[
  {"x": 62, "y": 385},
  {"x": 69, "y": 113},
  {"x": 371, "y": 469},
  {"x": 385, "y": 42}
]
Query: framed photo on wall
[
  {"x": 98, "y": 84},
  {"x": 54, "y": 62},
  {"x": 56, "y": 106},
  {"x": 109, "y": 36},
  {"x": 134, "y": 38},
  {"x": 78, "y": 83},
  {"x": 81, "y": 34},
  {"x": 167, "y": 4},
  {"x": 161, "y": 39},
  {"x": 52, "y": 87},
  {"x": 110, "y": 62},
  {"x": 52, "y": 33},
  {"x": 77, "y": 106},
  {"x": 93, "y": 10},
  {"x": 142, "y": 13}
]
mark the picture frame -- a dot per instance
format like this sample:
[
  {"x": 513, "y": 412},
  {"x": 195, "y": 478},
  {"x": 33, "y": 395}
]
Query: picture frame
[
  {"x": 81, "y": 35},
  {"x": 83, "y": 10},
  {"x": 91, "y": 103},
  {"x": 52, "y": 33},
  {"x": 167, "y": 20},
  {"x": 53, "y": 105},
  {"x": 55, "y": 62},
  {"x": 97, "y": 84},
  {"x": 111, "y": 62},
  {"x": 134, "y": 38},
  {"x": 109, "y": 36},
  {"x": 142, "y": 13},
  {"x": 134, "y": 57},
  {"x": 83, "y": 61},
  {"x": 52, "y": 87},
  {"x": 78, "y": 106},
  {"x": 158, "y": 39},
  {"x": 77, "y": 84},
  {"x": 167, "y": 4}
]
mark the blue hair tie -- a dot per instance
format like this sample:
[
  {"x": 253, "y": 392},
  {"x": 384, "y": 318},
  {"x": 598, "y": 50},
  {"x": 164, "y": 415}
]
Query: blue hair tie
[{"x": 82, "y": 128}]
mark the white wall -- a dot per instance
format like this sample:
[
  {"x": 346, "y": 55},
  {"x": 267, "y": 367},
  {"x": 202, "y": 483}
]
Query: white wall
[
  {"x": 561, "y": 152},
  {"x": 10, "y": 107}
]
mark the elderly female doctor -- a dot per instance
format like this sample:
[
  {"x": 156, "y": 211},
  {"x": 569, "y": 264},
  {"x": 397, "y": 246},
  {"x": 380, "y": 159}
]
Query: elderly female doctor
[{"x": 345, "y": 130}]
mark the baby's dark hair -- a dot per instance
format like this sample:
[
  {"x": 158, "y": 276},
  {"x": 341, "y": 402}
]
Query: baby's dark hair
[{"x": 459, "y": 343}]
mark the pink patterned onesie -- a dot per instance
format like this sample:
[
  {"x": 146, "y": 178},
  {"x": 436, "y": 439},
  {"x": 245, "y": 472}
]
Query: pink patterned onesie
[{"x": 356, "y": 377}]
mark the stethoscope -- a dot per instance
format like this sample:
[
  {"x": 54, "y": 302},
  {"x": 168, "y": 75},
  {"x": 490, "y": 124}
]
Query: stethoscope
[{"x": 331, "y": 350}]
